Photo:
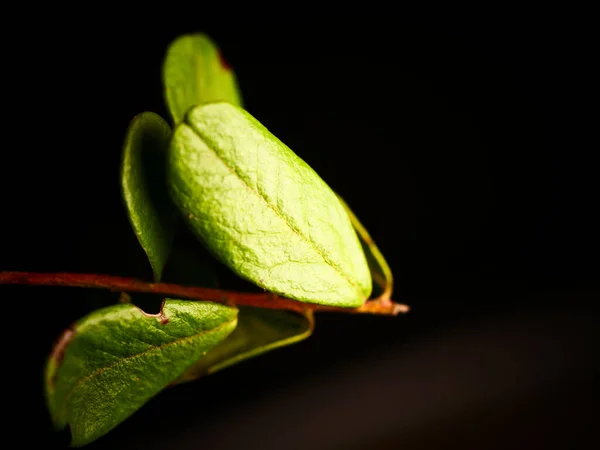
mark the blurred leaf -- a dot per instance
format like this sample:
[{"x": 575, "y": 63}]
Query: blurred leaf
[
  {"x": 258, "y": 331},
  {"x": 195, "y": 72},
  {"x": 150, "y": 210},
  {"x": 115, "y": 359}
]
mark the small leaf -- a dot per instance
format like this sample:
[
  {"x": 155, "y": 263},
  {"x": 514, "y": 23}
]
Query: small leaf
[
  {"x": 115, "y": 359},
  {"x": 195, "y": 72},
  {"x": 380, "y": 271},
  {"x": 258, "y": 331},
  {"x": 151, "y": 212},
  {"x": 262, "y": 210}
]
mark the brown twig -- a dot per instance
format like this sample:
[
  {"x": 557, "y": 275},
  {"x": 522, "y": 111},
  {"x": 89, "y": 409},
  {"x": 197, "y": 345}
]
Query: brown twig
[{"x": 259, "y": 300}]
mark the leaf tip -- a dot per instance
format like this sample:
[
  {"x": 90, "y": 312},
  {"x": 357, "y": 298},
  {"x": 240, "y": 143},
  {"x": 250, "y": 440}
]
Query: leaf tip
[{"x": 157, "y": 269}]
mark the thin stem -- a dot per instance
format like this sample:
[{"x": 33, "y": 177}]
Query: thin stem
[{"x": 259, "y": 300}]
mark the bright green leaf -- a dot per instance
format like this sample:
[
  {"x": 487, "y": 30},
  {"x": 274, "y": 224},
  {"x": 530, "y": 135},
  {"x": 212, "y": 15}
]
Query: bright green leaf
[
  {"x": 194, "y": 72},
  {"x": 151, "y": 212},
  {"x": 115, "y": 359},
  {"x": 258, "y": 331},
  {"x": 262, "y": 210},
  {"x": 380, "y": 271}
]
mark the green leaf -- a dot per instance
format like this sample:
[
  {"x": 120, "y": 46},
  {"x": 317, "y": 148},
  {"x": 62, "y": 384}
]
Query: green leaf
[
  {"x": 380, "y": 270},
  {"x": 151, "y": 212},
  {"x": 194, "y": 72},
  {"x": 115, "y": 359},
  {"x": 258, "y": 331},
  {"x": 262, "y": 210}
]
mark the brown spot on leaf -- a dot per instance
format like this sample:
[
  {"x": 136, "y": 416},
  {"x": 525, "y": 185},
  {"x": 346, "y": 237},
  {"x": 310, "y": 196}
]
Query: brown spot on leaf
[
  {"x": 161, "y": 316},
  {"x": 224, "y": 64}
]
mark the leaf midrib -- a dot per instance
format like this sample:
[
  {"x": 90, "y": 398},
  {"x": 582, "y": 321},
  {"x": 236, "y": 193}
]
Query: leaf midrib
[
  {"x": 137, "y": 355},
  {"x": 282, "y": 217}
]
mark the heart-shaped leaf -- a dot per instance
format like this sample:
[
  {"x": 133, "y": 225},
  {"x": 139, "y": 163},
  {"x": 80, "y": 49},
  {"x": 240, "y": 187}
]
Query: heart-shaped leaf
[
  {"x": 195, "y": 72},
  {"x": 115, "y": 359},
  {"x": 380, "y": 271},
  {"x": 151, "y": 212},
  {"x": 262, "y": 210},
  {"x": 258, "y": 331}
]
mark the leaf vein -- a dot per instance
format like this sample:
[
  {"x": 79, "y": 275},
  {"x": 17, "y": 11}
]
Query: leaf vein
[
  {"x": 137, "y": 355},
  {"x": 282, "y": 217}
]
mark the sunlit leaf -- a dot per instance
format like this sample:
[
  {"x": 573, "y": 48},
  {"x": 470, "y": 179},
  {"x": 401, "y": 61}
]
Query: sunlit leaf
[
  {"x": 115, "y": 359},
  {"x": 262, "y": 210}
]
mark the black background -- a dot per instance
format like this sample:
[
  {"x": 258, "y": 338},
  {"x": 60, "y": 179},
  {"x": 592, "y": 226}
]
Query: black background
[{"x": 466, "y": 154}]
